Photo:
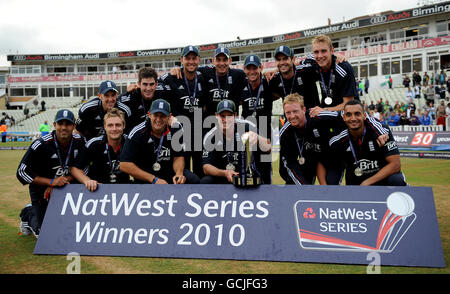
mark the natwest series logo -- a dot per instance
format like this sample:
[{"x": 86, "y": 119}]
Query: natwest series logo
[{"x": 354, "y": 225}]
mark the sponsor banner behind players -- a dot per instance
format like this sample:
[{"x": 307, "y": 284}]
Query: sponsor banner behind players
[
  {"x": 325, "y": 224},
  {"x": 421, "y": 139}
]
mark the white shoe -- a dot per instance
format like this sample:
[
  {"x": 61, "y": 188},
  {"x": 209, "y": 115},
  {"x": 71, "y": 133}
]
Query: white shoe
[{"x": 25, "y": 229}]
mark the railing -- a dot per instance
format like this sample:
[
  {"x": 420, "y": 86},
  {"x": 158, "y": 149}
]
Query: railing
[{"x": 419, "y": 128}]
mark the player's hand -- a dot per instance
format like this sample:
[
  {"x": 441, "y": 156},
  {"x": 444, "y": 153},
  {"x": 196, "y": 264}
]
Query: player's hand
[
  {"x": 48, "y": 193},
  {"x": 252, "y": 137},
  {"x": 161, "y": 182},
  {"x": 269, "y": 74},
  {"x": 131, "y": 87},
  {"x": 176, "y": 71},
  {"x": 382, "y": 139},
  {"x": 60, "y": 181},
  {"x": 365, "y": 183},
  {"x": 315, "y": 111},
  {"x": 91, "y": 185},
  {"x": 172, "y": 120},
  {"x": 229, "y": 175},
  {"x": 179, "y": 179},
  {"x": 340, "y": 58}
]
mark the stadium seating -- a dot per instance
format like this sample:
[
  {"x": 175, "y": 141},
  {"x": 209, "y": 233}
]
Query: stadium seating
[{"x": 32, "y": 124}]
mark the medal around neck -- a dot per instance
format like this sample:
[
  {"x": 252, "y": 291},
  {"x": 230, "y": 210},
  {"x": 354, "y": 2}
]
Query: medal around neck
[
  {"x": 230, "y": 166},
  {"x": 301, "y": 160},
  {"x": 358, "y": 172},
  {"x": 328, "y": 100},
  {"x": 156, "y": 166},
  {"x": 247, "y": 177}
]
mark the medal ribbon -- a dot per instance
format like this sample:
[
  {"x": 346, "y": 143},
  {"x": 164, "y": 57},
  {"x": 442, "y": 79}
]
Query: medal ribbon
[
  {"x": 218, "y": 84},
  {"x": 292, "y": 86},
  {"x": 325, "y": 88},
  {"x": 298, "y": 145},
  {"x": 352, "y": 148},
  {"x": 59, "y": 153},
  {"x": 257, "y": 95},
  {"x": 192, "y": 98}
]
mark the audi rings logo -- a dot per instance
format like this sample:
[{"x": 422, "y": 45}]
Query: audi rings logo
[
  {"x": 20, "y": 58},
  {"x": 278, "y": 38},
  {"x": 378, "y": 19},
  {"x": 113, "y": 54}
]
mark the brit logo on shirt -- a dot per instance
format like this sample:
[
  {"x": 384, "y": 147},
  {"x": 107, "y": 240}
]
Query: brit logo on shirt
[{"x": 354, "y": 225}]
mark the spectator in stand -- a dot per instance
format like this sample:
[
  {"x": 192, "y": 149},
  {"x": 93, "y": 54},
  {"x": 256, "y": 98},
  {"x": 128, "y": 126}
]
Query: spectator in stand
[
  {"x": 403, "y": 106},
  {"x": 44, "y": 129},
  {"x": 380, "y": 105},
  {"x": 447, "y": 110},
  {"x": 366, "y": 85},
  {"x": 390, "y": 82},
  {"x": 414, "y": 119},
  {"x": 428, "y": 92},
  {"x": 426, "y": 78},
  {"x": 406, "y": 81},
  {"x": 417, "y": 91},
  {"x": 416, "y": 79},
  {"x": 393, "y": 119},
  {"x": 442, "y": 78},
  {"x": 409, "y": 95},
  {"x": 404, "y": 120},
  {"x": 397, "y": 107},
  {"x": 371, "y": 106},
  {"x": 440, "y": 113},
  {"x": 3, "y": 130},
  {"x": 425, "y": 119},
  {"x": 387, "y": 108},
  {"x": 361, "y": 87},
  {"x": 376, "y": 114},
  {"x": 442, "y": 92}
]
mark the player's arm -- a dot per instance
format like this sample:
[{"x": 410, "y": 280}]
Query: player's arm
[
  {"x": 393, "y": 166},
  {"x": 178, "y": 167},
  {"x": 211, "y": 170},
  {"x": 133, "y": 170},
  {"x": 79, "y": 175}
]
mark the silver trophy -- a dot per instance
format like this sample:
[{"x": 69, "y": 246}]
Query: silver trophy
[{"x": 247, "y": 177}]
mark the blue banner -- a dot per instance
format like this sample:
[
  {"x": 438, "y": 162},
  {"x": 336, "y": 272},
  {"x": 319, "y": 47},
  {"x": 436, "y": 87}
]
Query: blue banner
[{"x": 325, "y": 224}]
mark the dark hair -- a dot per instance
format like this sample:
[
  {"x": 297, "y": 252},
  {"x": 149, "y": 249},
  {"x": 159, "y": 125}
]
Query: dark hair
[
  {"x": 354, "y": 102},
  {"x": 147, "y": 72}
]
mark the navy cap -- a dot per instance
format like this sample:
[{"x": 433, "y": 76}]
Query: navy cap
[
  {"x": 252, "y": 59},
  {"x": 160, "y": 105},
  {"x": 106, "y": 86},
  {"x": 65, "y": 114},
  {"x": 222, "y": 50},
  {"x": 284, "y": 50},
  {"x": 226, "y": 105},
  {"x": 188, "y": 49}
]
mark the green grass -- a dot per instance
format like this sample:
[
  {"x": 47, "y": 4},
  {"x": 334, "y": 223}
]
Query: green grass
[{"x": 16, "y": 252}]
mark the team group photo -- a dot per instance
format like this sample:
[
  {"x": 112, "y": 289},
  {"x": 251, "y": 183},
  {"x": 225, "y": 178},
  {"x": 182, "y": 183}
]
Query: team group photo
[{"x": 319, "y": 114}]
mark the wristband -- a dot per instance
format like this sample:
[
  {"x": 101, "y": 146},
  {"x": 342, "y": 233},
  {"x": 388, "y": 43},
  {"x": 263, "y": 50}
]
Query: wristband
[
  {"x": 51, "y": 182},
  {"x": 154, "y": 180}
]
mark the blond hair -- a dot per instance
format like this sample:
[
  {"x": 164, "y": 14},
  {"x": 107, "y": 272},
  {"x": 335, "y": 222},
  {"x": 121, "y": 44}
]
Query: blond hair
[
  {"x": 114, "y": 112},
  {"x": 294, "y": 98},
  {"x": 323, "y": 39}
]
